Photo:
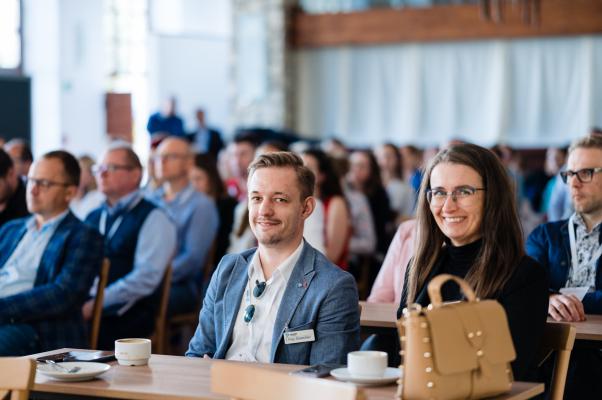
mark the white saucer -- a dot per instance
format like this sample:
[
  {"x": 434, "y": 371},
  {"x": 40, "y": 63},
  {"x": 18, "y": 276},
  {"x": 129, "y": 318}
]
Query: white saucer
[
  {"x": 88, "y": 370},
  {"x": 391, "y": 375}
]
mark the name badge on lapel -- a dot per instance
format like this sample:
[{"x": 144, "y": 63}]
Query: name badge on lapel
[{"x": 299, "y": 336}]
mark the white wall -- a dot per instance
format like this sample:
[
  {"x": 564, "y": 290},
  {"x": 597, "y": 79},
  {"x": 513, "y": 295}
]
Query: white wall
[
  {"x": 63, "y": 55},
  {"x": 190, "y": 58},
  {"x": 82, "y": 76},
  {"x": 41, "y": 62}
]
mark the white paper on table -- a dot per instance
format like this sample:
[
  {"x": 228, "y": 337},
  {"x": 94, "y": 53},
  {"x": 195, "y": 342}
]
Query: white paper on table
[{"x": 578, "y": 292}]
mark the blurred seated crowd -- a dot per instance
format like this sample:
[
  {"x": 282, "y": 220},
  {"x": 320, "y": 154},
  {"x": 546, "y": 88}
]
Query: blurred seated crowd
[{"x": 367, "y": 213}]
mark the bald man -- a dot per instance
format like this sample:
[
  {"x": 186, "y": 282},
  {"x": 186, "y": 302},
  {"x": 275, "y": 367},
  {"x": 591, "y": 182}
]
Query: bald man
[{"x": 196, "y": 218}]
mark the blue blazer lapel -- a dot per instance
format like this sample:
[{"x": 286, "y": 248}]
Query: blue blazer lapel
[
  {"x": 54, "y": 249},
  {"x": 296, "y": 288},
  {"x": 232, "y": 298},
  {"x": 13, "y": 241}
]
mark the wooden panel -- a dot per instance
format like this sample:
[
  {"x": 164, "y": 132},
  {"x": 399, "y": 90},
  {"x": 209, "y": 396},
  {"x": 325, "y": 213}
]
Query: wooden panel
[
  {"x": 119, "y": 115},
  {"x": 443, "y": 23}
]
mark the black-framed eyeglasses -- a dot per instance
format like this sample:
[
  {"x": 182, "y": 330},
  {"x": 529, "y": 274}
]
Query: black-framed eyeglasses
[
  {"x": 258, "y": 291},
  {"x": 461, "y": 195},
  {"x": 101, "y": 168},
  {"x": 45, "y": 183},
  {"x": 584, "y": 175}
]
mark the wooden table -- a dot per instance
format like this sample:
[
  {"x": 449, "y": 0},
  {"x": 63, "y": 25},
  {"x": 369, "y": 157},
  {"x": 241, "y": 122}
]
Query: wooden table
[
  {"x": 383, "y": 315},
  {"x": 590, "y": 329},
  {"x": 174, "y": 377}
]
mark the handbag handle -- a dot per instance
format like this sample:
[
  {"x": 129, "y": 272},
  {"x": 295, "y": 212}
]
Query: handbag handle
[{"x": 434, "y": 288}]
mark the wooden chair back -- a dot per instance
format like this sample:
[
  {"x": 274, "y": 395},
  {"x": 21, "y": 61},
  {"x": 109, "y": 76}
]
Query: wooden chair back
[
  {"x": 246, "y": 381},
  {"x": 17, "y": 377},
  {"x": 159, "y": 336},
  {"x": 103, "y": 277},
  {"x": 559, "y": 338}
]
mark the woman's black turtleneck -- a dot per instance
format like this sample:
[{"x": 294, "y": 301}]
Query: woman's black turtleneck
[{"x": 458, "y": 261}]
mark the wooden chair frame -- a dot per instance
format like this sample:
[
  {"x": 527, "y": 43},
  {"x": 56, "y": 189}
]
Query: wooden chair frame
[
  {"x": 17, "y": 377},
  {"x": 159, "y": 335},
  {"x": 560, "y": 338},
  {"x": 103, "y": 277},
  {"x": 252, "y": 382}
]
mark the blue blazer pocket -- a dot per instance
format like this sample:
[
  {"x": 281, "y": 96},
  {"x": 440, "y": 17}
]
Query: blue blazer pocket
[{"x": 301, "y": 327}]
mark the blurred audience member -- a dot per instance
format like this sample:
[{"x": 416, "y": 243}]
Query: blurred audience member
[
  {"x": 87, "y": 197},
  {"x": 20, "y": 151},
  {"x": 270, "y": 146},
  {"x": 335, "y": 148},
  {"x": 152, "y": 181},
  {"x": 140, "y": 241},
  {"x": 411, "y": 157},
  {"x": 555, "y": 160},
  {"x": 12, "y": 191},
  {"x": 337, "y": 227},
  {"x": 364, "y": 176},
  {"x": 511, "y": 161},
  {"x": 401, "y": 195},
  {"x": 241, "y": 153},
  {"x": 166, "y": 121},
  {"x": 205, "y": 138},
  {"x": 205, "y": 179},
  {"x": 389, "y": 283},
  {"x": 195, "y": 216}
]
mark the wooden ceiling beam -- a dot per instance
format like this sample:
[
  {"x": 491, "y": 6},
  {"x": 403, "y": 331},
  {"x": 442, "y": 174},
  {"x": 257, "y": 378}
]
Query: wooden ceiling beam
[{"x": 443, "y": 23}]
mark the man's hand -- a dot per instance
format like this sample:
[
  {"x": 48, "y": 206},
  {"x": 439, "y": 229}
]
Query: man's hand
[
  {"x": 566, "y": 308},
  {"x": 87, "y": 309}
]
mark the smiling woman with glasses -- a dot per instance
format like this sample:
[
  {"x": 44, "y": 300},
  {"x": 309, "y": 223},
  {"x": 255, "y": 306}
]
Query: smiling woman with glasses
[{"x": 468, "y": 226}]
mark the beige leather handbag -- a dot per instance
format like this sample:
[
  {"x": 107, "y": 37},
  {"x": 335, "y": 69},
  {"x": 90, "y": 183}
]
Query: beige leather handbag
[{"x": 458, "y": 350}]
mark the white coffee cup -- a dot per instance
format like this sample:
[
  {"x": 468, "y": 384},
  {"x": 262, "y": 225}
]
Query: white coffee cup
[
  {"x": 367, "y": 364},
  {"x": 132, "y": 351}
]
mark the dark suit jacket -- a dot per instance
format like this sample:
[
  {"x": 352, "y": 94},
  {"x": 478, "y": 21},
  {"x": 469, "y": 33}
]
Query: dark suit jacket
[{"x": 66, "y": 272}]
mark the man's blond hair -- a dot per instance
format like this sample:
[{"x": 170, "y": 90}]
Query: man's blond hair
[{"x": 286, "y": 159}]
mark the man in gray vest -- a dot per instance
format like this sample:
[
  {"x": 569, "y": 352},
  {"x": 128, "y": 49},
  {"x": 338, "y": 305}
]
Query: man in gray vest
[{"x": 139, "y": 242}]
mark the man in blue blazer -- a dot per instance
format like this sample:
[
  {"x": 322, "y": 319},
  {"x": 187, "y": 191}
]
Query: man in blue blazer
[
  {"x": 47, "y": 263},
  {"x": 283, "y": 302},
  {"x": 572, "y": 248}
]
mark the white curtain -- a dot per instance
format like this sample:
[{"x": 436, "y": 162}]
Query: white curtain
[{"x": 526, "y": 93}]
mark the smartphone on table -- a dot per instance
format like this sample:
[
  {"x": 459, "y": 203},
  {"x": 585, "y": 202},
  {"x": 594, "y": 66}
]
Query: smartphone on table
[
  {"x": 317, "y": 371},
  {"x": 95, "y": 356}
]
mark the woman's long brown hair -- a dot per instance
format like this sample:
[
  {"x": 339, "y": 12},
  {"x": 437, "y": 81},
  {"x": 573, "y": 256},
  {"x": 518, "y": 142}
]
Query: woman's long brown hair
[{"x": 501, "y": 234}]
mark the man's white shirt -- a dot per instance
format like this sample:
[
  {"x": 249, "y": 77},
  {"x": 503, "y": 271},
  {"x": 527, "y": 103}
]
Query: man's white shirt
[{"x": 253, "y": 341}]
